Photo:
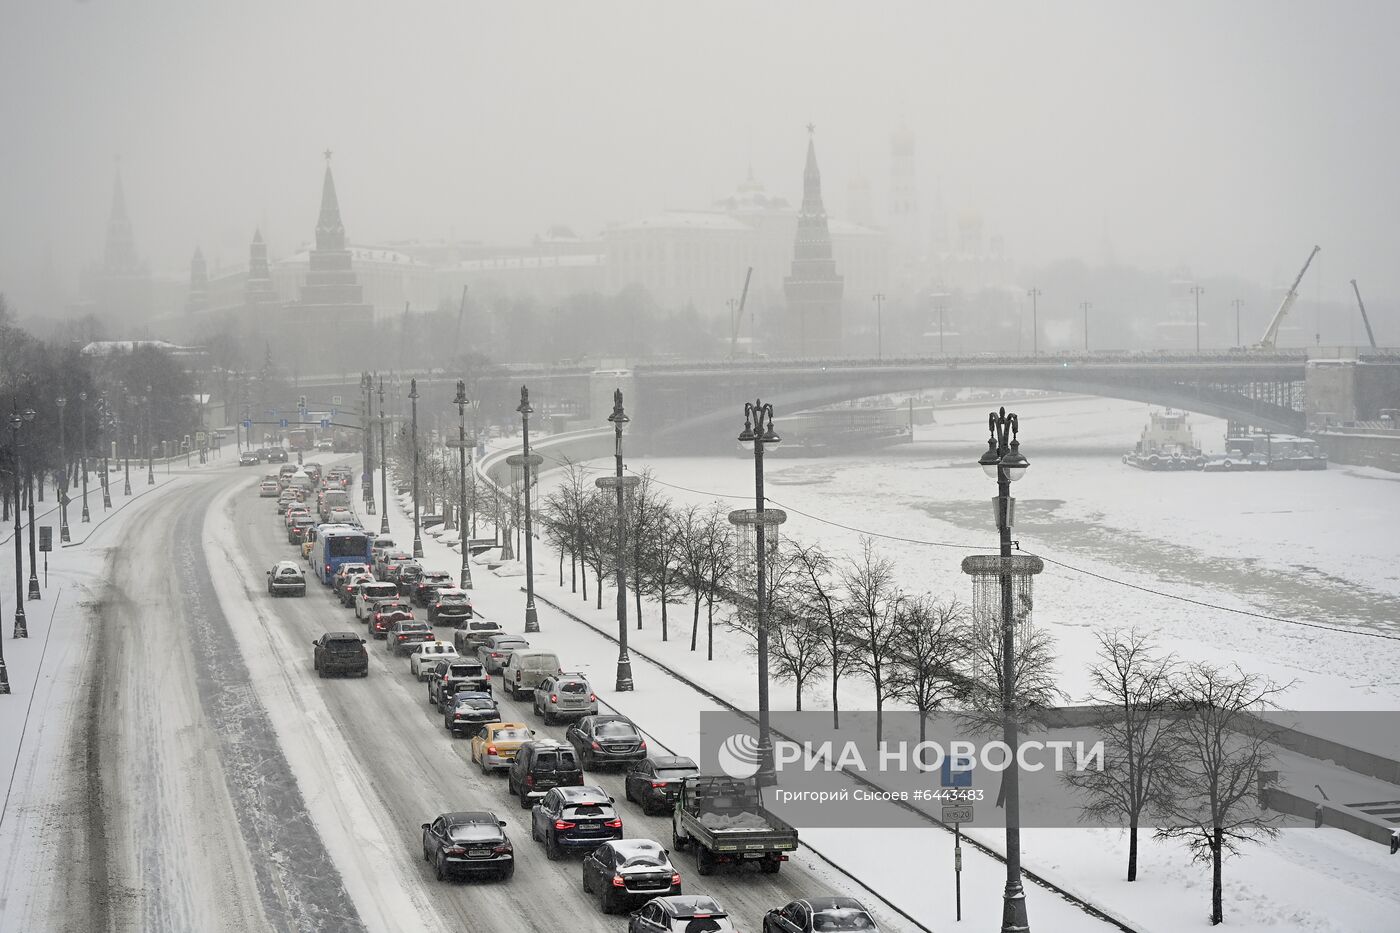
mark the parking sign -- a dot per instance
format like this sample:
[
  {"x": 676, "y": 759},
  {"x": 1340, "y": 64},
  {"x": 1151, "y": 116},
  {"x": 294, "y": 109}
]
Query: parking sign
[{"x": 957, "y": 771}]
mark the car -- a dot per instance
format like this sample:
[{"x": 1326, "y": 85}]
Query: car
[
  {"x": 468, "y": 843},
  {"x": 652, "y": 783},
  {"x": 248, "y": 458},
  {"x": 286, "y": 577},
  {"x": 607, "y": 740},
  {"x": 688, "y": 913},
  {"x": 393, "y": 566},
  {"x": 427, "y": 585},
  {"x": 452, "y": 606},
  {"x": 371, "y": 595},
  {"x": 268, "y": 489},
  {"x": 297, "y": 528},
  {"x": 524, "y": 669},
  {"x": 407, "y": 578},
  {"x": 406, "y": 635},
  {"x": 351, "y": 588},
  {"x": 381, "y": 563},
  {"x": 284, "y": 501},
  {"x": 381, "y": 545},
  {"x": 496, "y": 744},
  {"x": 341, "y": 517},
  {"x": 541, "y": 765},
  {"x": 340, "y": 653},
  {"x": 294, "y": 510},
  {"x": 451, "y": 675},
  {"x": 568, "y": 818},
  {"x": 425, "y": 657},
  {"x": 626, "y": 872},
  {"x": 386, "y": 615},
  {"x": 325, "y": 444},
  {"x": 277, "y": 455},
  {"x": 474, "y": 632},
  {"x": 344, "y": 572},
  {"x": 467, "y": 710},
  {"x": 496, "y": 651},
  {"x": 818, "y": 915},
  {"x": 564, "y": 696}
]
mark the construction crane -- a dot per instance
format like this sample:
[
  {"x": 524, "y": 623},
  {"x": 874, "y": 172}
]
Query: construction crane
[
  {"x": 1271, "y": 334},
  {"x": 1364, "y": 319},
  {"x": 738, "y": 318}
]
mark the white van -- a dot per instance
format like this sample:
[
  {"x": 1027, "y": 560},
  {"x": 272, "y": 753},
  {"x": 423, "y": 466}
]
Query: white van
[{"x": 524, "y": 669}]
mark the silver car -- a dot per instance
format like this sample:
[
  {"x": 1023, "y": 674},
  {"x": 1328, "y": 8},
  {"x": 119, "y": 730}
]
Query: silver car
[
  {"x": 565, "y": 696},
  {"x": 496, "y": 652}
]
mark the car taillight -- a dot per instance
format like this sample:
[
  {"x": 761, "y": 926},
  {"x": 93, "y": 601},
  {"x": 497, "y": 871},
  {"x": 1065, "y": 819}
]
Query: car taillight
[
  {"x": 554, "y": 698},
  {"x": 328, "y": 568},
  {"x": 656, "y": 785},
  {"x": 444, "y": 678},
  {"x": 530, "y": 780},
  {"x": 502, "y": 850},
  {"x": 564, "y": 824},
  {"x": 491, "y": 750},
  {"x": 618, "y": 882},
  {"x": 456, "y": 850},
  {"x": 643, "y": 746},
  {"x": 517, "y": 677},
  {"x": 488, "y": 678},
  {"x": 615, "y": 823},
  {"x": 596, "y": 746},
  {"x": 675, "y": 879},
  {"x": 592, "y": 698}
]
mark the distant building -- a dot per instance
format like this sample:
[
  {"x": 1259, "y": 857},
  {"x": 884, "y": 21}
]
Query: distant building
[
  {"x": 198, "y": 299},
  {"x": 121, "y": 291},
  {"x": 811, "y": 324}
]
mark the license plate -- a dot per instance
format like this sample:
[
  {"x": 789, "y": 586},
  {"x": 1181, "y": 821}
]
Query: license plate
[
  {"x": 478, "y": 853},
  {"x": 753, "y": 855}
]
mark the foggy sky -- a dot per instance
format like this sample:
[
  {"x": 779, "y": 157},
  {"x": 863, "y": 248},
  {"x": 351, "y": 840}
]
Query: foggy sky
[{"x": 1226, "y": 136}]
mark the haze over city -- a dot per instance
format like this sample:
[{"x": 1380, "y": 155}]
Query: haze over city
[{"x": 1224, "y": 139}]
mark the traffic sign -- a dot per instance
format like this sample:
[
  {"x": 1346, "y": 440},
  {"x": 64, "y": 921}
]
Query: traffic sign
[
  {"x": 335, "y": 400},
  {"x": 248, "y": 425},
  {"x": 46, "y": 538},
  {"x": 200, "y": 438},
  {"x": 284, "y": 422},
  {"x": 957, "y": 771},
  {"x": 325, "y": 423},
  {"x": 956, "y": 815}
]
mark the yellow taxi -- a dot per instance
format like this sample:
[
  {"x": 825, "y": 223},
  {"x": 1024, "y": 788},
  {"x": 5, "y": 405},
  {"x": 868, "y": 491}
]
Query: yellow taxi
[{"x": 496, "y": 744}]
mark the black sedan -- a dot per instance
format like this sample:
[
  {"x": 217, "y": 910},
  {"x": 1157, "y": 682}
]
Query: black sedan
[
  {"x": 628, "y": 872},
  {"x": 464, "y": 711},
  {"x": 248, "y": 458},
  {"x": 467, "y": 844},
  {"x": 819, "y": 914},
  {"x": 425, "y": 590},
  {"x": 653, "y": 783},
  {"x": 687, "y": 913},
  {"x": 579, "y": 817},
  {"x": 606, "y": 740}
]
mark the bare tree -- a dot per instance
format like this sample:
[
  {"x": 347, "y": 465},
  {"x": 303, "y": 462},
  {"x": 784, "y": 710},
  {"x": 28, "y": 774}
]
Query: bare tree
[
  {"x": 819, "y": 590},
  {"x": 719, "y": 564},
  {"x": 597, "y": 538},
  {"x": 1220, "y": 750},
  {"x": 692, "y": 532},
  {"x": 872, "y": 601},
  {"x": 647, "y": 508},
  {"x": 661, "y": 564},
  {"x": 1134, "y": 687},
  {"x": 929, "y": 638},
  {"x": 796, "y": 646}
]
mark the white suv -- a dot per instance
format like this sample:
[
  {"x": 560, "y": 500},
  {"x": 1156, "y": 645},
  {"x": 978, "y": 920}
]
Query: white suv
[
  {"x": 371, "y": 595},
  {"x": 422, "y": 661}
]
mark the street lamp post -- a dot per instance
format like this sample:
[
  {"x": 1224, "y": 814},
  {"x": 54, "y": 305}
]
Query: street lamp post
[
  {"x": 82, "y": 454},
  {"x": 367, "y": 443},
  {"x": 34, "y": 593},
  {"x": 383, "y": 466},
  {"x": 1034, "y": 294},
  {"x": 108, "y": 424},
  {"x": 476, "y": 431},
  {"x": 1004, "y": 462},
  {"x": 150, "y": 448},
  {"x": 413, "y": 399},
  {"x": 21, "y": 624},
  {"x": 532, "y": 619},
  {"x": 879, "y": 299},
  {"x": 462, "y": 537},
  {"x": 1237, "y": 303},
  {"x": 621, "y": 483},
  {"x": 1085, "y": 306},
  {"x": 758, "y": 433},
  {"x": 1196, "y": 290},
  {"x": 63, "y": 535}
]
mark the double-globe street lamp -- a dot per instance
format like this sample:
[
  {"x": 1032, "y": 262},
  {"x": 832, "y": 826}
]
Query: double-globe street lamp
[
  {"x": 63, "y": 535},
  {"x": 532, "y": 619},
  {"x": 461, "y": 401},
  {"x": 82, "y": 454},
  {"x": 16, "y": 422},
  {"x": 367, "y": 443},
  {"x": 383, "y": 465},
  {"x": 1004, "y": 462},
  {"x": 413, "y": 399},
  {"x": 109, "y": 424},
  {"x": 622, "y": 484},
  {"x": 758, "y": 434},
  {"x": 150, "y": 447}
]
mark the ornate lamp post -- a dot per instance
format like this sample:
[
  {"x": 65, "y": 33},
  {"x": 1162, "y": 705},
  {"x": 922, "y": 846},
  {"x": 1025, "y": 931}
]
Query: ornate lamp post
[
  {"x": 151, "y": 448},
  {"x": 82, "y": 454},
  {"x": 476, "y": 431},
  {"x": 758, "y": 433},
  {"x": 21, "y": 624},
  {"x": 383, "y": 466},
  {"x": 621, "y": 483},
  {"x": 29, "y": 415},
  {"x": 413, "y": 398},
  {"x": 63, "y": 536},
  {"x": 366, "y": 441},
  {"x": 1004, "y": 462},
  {"x": 108, "y": 424},
  {"x": 532, "y": 619},
  {"x": 462, "y": 402},
  {"x": 126, "y": 467}
]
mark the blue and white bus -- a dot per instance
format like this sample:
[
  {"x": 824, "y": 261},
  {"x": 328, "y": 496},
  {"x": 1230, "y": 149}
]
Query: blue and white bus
[{"x": 336, "y": 545}]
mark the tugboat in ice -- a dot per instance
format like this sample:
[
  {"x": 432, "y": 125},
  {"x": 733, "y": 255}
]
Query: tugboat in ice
[{"x": 1166, "y": 444}]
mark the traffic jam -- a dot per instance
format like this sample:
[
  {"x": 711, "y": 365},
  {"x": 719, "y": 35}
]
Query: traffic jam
[{"x": 401, "y": 605}]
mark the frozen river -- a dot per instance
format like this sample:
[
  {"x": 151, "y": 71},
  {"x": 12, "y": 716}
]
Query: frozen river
[{"x": 1312, "y": 547}]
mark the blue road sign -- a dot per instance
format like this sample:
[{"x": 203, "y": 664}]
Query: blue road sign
[
  {"x": 957, "y": 771},
  {"x": 248, "y": 425},
  {"x": 284, "y": 422},
  {"x": 325, "y": 423}
]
